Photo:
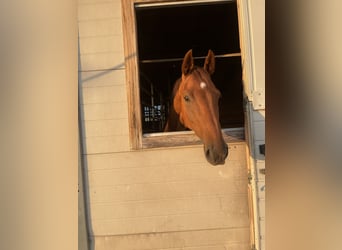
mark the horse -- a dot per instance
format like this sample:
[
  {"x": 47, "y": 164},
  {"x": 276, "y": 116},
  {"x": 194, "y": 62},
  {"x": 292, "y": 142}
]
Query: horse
[{"x": 195, "y": 106}]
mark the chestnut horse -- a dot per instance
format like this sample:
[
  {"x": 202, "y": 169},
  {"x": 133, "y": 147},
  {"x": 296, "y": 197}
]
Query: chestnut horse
[{"x": 195, "y": 106}]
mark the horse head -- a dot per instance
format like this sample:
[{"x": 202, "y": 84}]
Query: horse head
[{"x": 196, "y": 104}]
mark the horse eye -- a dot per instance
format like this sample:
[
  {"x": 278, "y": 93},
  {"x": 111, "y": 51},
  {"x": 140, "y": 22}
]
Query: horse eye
[{"x": 187, "y": 98}]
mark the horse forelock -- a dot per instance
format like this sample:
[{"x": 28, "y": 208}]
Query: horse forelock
[{"x": 197, "y": 74}]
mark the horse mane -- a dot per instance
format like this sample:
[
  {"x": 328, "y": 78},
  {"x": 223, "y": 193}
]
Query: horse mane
[{"x": 173, "y": 122}]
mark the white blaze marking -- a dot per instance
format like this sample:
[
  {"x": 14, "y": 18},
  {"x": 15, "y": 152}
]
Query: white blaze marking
[{"x": 203, "y": 85}]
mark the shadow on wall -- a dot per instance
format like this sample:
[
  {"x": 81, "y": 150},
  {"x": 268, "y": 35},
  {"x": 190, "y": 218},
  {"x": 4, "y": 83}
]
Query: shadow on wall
[{"x": 85, "y": 230}]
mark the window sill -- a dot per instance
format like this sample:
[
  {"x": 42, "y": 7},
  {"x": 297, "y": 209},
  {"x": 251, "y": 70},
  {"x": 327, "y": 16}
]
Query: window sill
[{"x": 186, "y": 138}]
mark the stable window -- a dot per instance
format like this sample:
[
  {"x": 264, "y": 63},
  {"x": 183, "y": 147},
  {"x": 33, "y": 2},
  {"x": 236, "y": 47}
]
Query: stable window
[{"x": 157, "y": 36}]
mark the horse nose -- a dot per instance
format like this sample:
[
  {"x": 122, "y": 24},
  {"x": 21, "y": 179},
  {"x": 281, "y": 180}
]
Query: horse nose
[
  {"x": 225, "y": 151},
  {"x": 216, "y": 156}
]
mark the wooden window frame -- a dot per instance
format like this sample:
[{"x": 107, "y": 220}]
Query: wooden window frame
[{"x": 137, "y": 139}]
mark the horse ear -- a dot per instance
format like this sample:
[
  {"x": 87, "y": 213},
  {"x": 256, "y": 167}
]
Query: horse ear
[
  {"x": 188, "y": 63},
  {"x": 209, "y": 64}
]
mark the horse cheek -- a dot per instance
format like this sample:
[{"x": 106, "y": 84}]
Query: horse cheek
[
  {"x": 177, "y": 103},
  {"x": 181, "y": 119}
]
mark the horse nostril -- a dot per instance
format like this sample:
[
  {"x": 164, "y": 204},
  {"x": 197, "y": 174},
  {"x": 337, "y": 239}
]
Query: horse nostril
[
  {"x": 207, "y": 153},
  {"x": 225, "y": 152}
]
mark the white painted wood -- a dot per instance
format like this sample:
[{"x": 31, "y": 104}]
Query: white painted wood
[
  {"x": 105, "y": 111},
  {"x": 253, "y": 128},
  {"x": 105, "y": 27},
  {"x": 98, "y": 11},
  {"x": 101, "y": 78},
  {"x": 258, "y": 115},
  {"x": 259, "y": 99},
  {"x": 259, "y": 130},
  {"x": 166, "y": 190},
  {"x": 261, "y": 189},
  {"x": 163, "y": 156},
  {"x": 102, "y": 128},
  {"x": 232, "y": 239},
  {"x": 147, "y": 4},
  {"x": 104, "y": 94},
  {"x": 96, "y": 1},
  {"x": 257, "y": 27},
  {"x": 167, "y": 173},
  {"x": 193, "y": 221},
  {"x": 170, "y": 207},
  {"x": 246, "y": 48},
  {"x": 262, "y": 244},
  {"x": 102, "y": 61},
  {"x": 252, "y": 41},
  {"x": 262, "y": 214},
  {"x": 100, "y": 44},
  {"x": 106, "y": 144}
]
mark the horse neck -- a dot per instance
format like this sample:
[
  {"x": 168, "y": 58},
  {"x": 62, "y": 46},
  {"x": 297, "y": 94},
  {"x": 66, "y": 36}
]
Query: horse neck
[{"x": 173, "y": 123}]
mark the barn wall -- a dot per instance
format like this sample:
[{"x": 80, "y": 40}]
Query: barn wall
[
  {"x": 167, "y": 198},
  {"x": 103, "y": 95},
  {"x": 257, "y": 132},
  {"x": 257, "y": 112}
]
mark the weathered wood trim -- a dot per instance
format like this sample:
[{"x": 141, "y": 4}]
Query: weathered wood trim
[
  {"x": 188, "y": 138},
  {"x": 132, "y": 77}
]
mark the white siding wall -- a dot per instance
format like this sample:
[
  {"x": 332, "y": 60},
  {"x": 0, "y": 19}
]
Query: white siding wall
[
  {"x": 257, "y": 27},
  {"x": 148, "y": 199},
  {"x": 258, "y": 135},
  {"x": 103, "y": 95}
]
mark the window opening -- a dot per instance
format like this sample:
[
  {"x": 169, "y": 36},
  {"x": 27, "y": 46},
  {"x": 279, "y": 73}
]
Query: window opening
[{"x": 165, "y": 34}]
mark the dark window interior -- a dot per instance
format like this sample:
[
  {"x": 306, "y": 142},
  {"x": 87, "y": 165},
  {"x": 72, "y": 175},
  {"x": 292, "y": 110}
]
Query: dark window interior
[{"x": 165, "y": 34}]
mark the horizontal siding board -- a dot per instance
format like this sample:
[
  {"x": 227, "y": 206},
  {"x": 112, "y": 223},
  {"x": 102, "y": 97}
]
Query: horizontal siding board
[
  {"x": 231, "y": 238},
  {"x": 104, "y": 94},
  {"x": 170, "y": 207},
  {"x": 98, "y": 11},
  {"x": 96, "y": 1},
  {"x": 238, "y": 246},
  {"x": 166, "y": 173},
  {"x": 101, "y": 44},
  {"x": 171, "y": 223},
  {"x": 104, "y": 111},
  {"x": 93, "y": 28},
  {"x": 102, "y": 78},
  {"x": 199, "y": 248},
  {"x": 102, "y": 61},
  {"x": 102, "y": 128},
  {"x": 106, "y": 144},
  {"x": 166, "y": 190},
  {"x": 162, "y": 156}
]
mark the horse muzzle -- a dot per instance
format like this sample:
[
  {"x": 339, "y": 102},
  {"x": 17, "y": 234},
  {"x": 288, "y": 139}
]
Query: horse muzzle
[{"x": 216, "y": 155}]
